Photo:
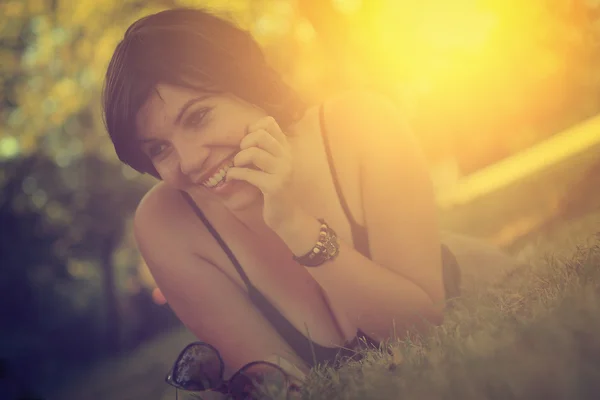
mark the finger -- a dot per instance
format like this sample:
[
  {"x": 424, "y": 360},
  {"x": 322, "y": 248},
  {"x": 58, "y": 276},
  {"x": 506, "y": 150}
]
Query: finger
[
  {"x": 257, "y": 157},
  {"x": 259, "y": 179},
  {"x": 270, "y": 125},
  {"x": 264, "y": 140}
]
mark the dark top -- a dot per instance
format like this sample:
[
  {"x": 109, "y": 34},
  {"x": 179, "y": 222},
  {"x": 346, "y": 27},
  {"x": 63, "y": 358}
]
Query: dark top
[{"x": 313, "y": 353}]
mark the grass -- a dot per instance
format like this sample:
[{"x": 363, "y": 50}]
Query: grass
[{"x": 534, "y": 335}]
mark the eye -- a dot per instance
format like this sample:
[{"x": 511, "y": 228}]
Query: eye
[
  {"x": 155, "y": 150},
  {"x": 196, "y": 117}
]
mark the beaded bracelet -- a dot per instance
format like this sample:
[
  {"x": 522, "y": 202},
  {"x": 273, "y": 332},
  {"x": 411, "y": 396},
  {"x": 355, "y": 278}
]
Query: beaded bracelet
[{"x": 326, "y": 248}]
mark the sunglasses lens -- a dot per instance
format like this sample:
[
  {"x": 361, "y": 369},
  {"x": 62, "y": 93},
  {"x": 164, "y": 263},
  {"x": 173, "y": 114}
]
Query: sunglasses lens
[
  {"x": 258, "y": 378},
  {"x": 199, "y": 367}
]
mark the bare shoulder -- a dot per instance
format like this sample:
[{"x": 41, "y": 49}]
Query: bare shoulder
[
  {"x": 160, "y": 205},
  {"x": 163, "y": 218}
]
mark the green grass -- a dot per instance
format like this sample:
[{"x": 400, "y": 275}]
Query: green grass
[{"x": 534, "y": 335}]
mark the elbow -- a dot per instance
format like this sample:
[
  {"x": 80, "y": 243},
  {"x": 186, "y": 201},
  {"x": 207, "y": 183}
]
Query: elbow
[
  {"x": 431, "y": 306},
  {"x": 422, "y": 319},
  {"x": 436, "y": 316},
  {"x": 432, "y": 315},
  {"x": 435, "y": 310},
  {"x": 436, "y": 305},
  {"x": 422, "y": 324}
]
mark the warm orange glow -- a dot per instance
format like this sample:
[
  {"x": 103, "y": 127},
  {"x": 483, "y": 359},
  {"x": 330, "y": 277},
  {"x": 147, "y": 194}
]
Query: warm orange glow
[
  {"x": 443, "y": 41},
  {"x": 473, "y": 60}
]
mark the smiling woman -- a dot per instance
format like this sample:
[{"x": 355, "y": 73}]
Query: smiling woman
[{"x": 278, "y": 229}]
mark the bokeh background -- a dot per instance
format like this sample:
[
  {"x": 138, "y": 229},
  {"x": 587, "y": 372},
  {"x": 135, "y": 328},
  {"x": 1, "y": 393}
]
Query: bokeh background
[{"x": 479, "y": 81}]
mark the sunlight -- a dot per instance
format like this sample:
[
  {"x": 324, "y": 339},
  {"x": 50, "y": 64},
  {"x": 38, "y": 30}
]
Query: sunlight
[
  {"x": 571, "y": 143},
  {"x": 475, "y": 60},
  {"x": 451, "y": 28},
  {"x": 347, "y": 6},
  {"x": 465, "y": 38}
]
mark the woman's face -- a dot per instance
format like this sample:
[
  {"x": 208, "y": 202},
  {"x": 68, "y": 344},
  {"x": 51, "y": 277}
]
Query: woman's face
[{"x": 189, "y": 135}]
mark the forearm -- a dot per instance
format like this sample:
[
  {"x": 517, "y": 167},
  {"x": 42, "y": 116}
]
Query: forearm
[{"x": 374, "y": 298}]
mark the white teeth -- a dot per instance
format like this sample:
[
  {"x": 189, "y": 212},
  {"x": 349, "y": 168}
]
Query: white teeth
[{"x": 217, "y": 177}]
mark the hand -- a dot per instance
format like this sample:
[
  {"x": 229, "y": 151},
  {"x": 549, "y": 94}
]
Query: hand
[{"x": 266, "y": 147}]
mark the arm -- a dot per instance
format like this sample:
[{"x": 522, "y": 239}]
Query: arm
[
  {"x": 205, "y": 299},
  {"x": 402, "y": 285}
]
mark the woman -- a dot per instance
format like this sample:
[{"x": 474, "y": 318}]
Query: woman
[{"x": 253, "y": 183}]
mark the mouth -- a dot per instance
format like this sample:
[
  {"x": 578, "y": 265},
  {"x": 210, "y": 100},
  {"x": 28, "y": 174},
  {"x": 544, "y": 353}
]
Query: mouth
[{"x": 217, "y": 174}]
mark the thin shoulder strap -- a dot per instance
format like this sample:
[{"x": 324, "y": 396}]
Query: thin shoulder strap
[
  {"x": 218, "y": 238},
  {"x": 338, "y": 189}
]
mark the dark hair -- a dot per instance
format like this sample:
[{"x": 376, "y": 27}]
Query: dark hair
[{"x": 194, "y": 49}]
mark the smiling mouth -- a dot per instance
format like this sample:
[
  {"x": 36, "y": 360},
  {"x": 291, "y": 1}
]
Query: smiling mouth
[{"x": 218, "y": 177}]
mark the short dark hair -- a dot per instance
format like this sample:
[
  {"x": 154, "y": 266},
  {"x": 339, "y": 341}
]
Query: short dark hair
[{"x": 190, "y": 48}]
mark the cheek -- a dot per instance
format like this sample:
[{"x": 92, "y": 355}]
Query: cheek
[
  {"x": 231, "y": 133},
  {"x": 237, "y": 119}
]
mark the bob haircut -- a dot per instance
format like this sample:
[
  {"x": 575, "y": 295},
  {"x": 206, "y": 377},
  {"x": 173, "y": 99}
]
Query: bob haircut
[{"x": 188, "y": 48}]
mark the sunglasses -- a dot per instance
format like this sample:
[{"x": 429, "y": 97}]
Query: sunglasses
[{"x": 199, "y": 368}]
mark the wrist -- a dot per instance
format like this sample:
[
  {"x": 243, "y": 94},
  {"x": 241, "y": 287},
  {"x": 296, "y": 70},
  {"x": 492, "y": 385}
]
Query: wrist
[{"x": 300, "y": 232}]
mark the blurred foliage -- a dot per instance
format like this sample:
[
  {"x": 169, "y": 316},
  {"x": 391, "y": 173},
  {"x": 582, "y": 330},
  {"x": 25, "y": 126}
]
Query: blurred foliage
[
  {"x": 478, "y": 80},
  {"x": 532, "y": 63}
]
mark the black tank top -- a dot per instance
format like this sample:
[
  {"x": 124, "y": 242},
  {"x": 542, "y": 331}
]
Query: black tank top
[{"x": 313, "y": 353}]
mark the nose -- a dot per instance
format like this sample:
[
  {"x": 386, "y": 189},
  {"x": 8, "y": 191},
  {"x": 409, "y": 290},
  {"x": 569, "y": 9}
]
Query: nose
[{"x": 192, "y": 159}]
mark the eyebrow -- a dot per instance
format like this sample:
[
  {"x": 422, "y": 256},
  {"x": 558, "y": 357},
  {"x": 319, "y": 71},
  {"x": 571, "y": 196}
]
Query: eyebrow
[{"x": 182, "y": 111}]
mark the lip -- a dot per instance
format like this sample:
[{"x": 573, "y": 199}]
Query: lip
[{"x": 213, "y": 170}]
